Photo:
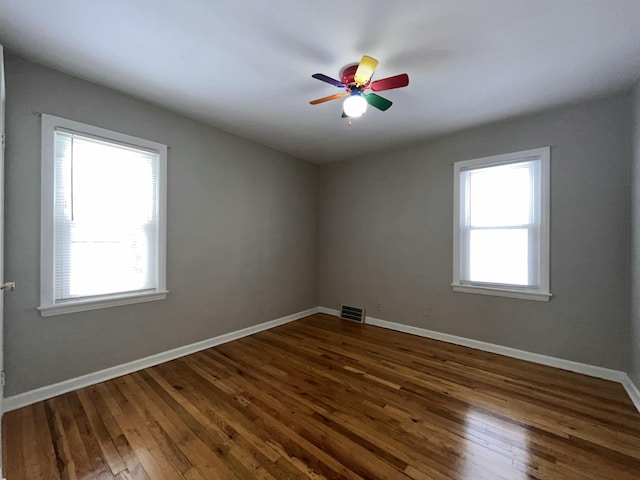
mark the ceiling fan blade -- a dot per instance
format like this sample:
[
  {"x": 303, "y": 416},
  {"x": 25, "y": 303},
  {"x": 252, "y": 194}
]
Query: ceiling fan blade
[
  {"x": 329, "y": 98},
  {"x": 332, "y": 81},
  {"x": 388, "y": 83},
  {"x": 365, "y": 70},
  {"x": 377, "y": 101}
]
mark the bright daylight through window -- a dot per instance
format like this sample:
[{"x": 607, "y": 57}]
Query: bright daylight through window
[
  {"x": 501, "y": 225},
  {"x": 103, "y": 211}
]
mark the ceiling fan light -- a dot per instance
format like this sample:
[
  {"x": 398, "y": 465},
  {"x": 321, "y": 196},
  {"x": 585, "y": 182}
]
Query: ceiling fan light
[{"x": 355, "y": 106}]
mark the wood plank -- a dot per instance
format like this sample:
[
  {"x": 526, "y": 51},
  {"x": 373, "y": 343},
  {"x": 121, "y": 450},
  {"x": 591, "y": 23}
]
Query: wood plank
[
  {"x": 108, "y": 448},
  {"x": 38, "y": 447},
  {"x": 106, "y": 407},
  {"x": 137, "y": 430},
  {"x": 323, "y": 399},
  {"x": 12, "y": 438},
  {"x": 60, "y": 431},
  {"x": 254, "y": 453},
  {"x": 98, "y": 465}
]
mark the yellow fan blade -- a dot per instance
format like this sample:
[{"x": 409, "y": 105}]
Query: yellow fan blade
[
  {"x": 330, "y": 97},
  {"x": 365, "y": 70}
]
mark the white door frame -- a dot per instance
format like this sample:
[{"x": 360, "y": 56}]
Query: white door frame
[{"x": 2, "y": 137}]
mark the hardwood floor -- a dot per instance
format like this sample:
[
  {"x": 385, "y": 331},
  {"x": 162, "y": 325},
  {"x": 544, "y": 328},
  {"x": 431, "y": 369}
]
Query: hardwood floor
[{"x": 323, "y": 398}]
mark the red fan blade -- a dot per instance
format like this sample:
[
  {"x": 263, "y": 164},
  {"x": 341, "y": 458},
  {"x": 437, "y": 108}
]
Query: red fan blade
[
  {"x": 388, "y": 83},
  {"x": 329, "y": 98}
]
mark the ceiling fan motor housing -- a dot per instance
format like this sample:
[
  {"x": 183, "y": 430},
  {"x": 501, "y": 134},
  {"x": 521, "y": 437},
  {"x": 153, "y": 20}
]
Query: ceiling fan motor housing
[{"x": 348, "y": 74}]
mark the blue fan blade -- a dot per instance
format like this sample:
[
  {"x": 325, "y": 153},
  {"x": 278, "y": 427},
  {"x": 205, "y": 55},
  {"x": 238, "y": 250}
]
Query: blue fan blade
[{"x": 332, "y": 81}]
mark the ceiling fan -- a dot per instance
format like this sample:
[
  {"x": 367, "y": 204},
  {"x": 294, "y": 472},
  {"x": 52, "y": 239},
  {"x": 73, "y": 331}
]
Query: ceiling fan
[{"x": 356, "y": 81}]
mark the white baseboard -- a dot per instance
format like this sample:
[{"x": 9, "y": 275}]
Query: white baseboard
[
  {"x": 570, "y": 365},
  {"x": 633, "y": 391},
  {"x": 329, "y": 311},
  {"x": 27, "y": 398},
  {"x": 583, "y": 368},
  {"x": 50, "y": 391}
]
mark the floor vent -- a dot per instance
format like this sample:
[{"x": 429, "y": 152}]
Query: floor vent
[{"x": 352, "y": 313}]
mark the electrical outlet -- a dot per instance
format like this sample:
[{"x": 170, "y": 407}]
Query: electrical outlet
[
  {"x": 379, "y": 306},
  {"x": 426, "y": 311}
]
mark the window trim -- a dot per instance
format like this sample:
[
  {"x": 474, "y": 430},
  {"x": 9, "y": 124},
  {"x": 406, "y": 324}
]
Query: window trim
[
  {"x": 48, "y": 305},
  {"x": 540, "y": 293}
]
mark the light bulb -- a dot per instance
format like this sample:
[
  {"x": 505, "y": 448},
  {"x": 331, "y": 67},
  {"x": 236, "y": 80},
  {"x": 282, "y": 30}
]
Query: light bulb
[{"x": 355, "y": 106}]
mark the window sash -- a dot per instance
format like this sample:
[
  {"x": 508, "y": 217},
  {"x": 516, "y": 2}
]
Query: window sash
[
  {"x": 533, "y": 235},
  {"x": 77, "y": 238}
]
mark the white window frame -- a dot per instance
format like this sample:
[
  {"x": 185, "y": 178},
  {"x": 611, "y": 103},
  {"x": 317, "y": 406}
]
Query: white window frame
[
  {"x": 539, "y": 293},
  {"x": 48, "y": 305}
]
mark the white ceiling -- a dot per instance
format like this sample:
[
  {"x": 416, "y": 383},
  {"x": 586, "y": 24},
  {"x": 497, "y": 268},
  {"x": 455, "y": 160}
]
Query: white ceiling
[{"x": 245, "y": 66}]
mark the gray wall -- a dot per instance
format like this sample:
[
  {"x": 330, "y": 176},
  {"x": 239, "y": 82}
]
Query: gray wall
[
  {"x": 634, "y": 372},
  {"x": 242, "y": 234},
  {"x": 386, "y": 235}
]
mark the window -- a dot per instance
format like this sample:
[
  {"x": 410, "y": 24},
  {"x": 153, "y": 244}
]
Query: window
[
  {"x": 103, "y": 218},
  {"x": 501, "y": 225}
]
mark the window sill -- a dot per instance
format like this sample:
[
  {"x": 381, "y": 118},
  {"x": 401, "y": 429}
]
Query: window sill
[
  {"x": 501, "y": 292},
  {"x": 98, "y": 303}
]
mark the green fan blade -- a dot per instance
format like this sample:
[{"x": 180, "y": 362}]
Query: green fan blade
[{"x": 377, "y": 101}]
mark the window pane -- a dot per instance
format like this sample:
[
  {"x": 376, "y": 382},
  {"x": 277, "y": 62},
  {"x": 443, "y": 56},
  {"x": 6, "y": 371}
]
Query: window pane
[
  {"x": 111, "y": 183},
  {"x": 499, "y": 256},
  {"x": 110, "y": 263},
  {"x": 500, "y": 196},
  {"x": 106, "y": 218}
]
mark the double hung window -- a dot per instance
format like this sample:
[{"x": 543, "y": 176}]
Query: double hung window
[
  {"x": 103, "y": 218},
  {"x": 501, "y": 225}
]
